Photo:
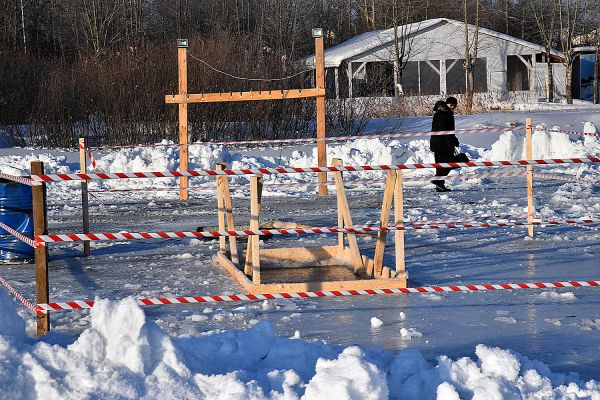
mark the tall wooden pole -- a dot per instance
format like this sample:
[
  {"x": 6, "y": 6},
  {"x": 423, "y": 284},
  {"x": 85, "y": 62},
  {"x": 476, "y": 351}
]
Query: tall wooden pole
[
  {"x": 85, "y": 211},
  {"x": 399, "y": 220},
  {"x": 320, "y": 81},
  {"x": 183, "y": 117},
  {"x": 529, "y": 156},
  {"x": 41, "y": 253}
]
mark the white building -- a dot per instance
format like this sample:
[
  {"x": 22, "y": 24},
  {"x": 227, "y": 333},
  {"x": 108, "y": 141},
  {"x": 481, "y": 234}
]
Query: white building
[{"x": 364, "y": 65}]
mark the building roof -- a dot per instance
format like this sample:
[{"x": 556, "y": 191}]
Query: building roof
[{"x": 373, "y": 39}]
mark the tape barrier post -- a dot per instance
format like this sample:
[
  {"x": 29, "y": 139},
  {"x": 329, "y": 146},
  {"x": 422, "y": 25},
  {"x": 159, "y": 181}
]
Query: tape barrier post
[
  {"x": 83, "y": 304},
  {"x": 85, "y": 211},
  {"x": 320, "y": 83},
  {"x": 529, "y": 156},
  {"x": 183, "y": 118},
  {"x": 40, "y": 227}
]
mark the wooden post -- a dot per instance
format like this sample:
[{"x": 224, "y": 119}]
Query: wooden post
[
  {"x": 40, "y": 227},
  {"x": 225, "y": 207},
  {"x": 344, "y": 209},
  {"x": 221, "y": 208},
  {"x": 399, "y": 220},
  {"x": 321, "y": 145},
  {"x": 529, "y": 156},
  {"x": 85, "y": 210},
  {"x": 386, "y": 208},
  {"x": 183, "y": 119},
  {"x": 253, "y": 251}
]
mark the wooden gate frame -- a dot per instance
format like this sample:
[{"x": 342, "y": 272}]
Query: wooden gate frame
[
  {"x": 183, "y": 99},
  {"x": 371, "y": 273}
]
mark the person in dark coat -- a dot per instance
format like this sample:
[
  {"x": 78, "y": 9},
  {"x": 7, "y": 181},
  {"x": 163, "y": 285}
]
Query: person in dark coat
[{"x": 443, "y": 146}]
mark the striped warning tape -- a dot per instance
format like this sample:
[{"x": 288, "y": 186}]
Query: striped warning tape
[
  {"x": 326, "y": 139},
  {"x": 285, "y": 170},
  {"x": 90, "y": 155},
  {"x": 19, "y": 179},
  {"x": 20, "y": 236},
  {"x": 591, "y": 228},
  {"x": 82, "y": 304},
  {"x": 565, "y": 178},
  {"x": 74, "y": 237},
  {"x": 18, "y": 296},
  {"x": 330, "y": 183}
]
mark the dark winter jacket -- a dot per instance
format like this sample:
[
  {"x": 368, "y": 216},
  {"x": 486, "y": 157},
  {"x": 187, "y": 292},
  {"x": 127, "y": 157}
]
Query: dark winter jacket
[{"x": 443, "y": 120}]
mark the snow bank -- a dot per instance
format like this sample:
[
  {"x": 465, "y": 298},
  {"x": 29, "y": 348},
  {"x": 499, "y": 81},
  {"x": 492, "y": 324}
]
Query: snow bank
[{"x": 124, "y": 355}]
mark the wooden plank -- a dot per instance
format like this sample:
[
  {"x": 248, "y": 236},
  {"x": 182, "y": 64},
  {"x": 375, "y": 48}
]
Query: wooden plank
[
  {"x": 342, "y": 203},
  {"x": 529, "y": 156},
  {"x": 235, "y": 272},
  {"x": 245, "y": 96},
  {"x": 183, "y": 123},
  {"x": 399, "y": 220},
  {"x": 320, "y": 83},
  {"x": 85, "y": 209},
  {"x": 301, "y": 254},
  {"x": 221, "y": 208},
  {"x": 336, "y": 162},
  {"x": 252, "y": 253},
  {"x": 386, "y": 208},
  {"x": 233, "y": 250},
  {"x": 40, "y": 227},
  {"x": 359, "y": 284}
]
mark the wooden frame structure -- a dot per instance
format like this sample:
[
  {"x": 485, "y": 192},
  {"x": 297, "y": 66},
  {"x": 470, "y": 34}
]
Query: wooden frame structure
[
  {"x": 365, "y": 273},
  {"x": 183, "y": 98}
]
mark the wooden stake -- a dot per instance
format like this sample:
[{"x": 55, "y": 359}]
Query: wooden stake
[
  {"x": 183, "y": 122},
  {"x": 40, "y": 227},
  {"x": 386, "y": 208},
  {"x": 221, "y": 208},
  {"x": 253, "y": 250},
  {"x": 529, "y": 156},
  {"x": 228, "y": 208},
  {"x": 342, "y": 203},
  {"x": 399, "y": 220},
  {"x": 84, "y": 196},
  {"x": 336, "y": 162},
  {"x": 321, "y": 145}
]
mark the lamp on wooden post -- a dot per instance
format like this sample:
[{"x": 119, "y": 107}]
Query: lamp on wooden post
[
  {"x": 317, "y": 33},
  {"x": 182, "y": 45}
]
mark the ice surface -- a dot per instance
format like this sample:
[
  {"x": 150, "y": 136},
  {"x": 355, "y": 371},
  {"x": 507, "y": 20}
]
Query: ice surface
[{"x": 446, "y": 346}]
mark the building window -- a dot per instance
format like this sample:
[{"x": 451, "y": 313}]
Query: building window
[
  {"x": 456, "y": 76},
  {"x": 517, "y": 73},
  {"x": 421, "y": 78}
]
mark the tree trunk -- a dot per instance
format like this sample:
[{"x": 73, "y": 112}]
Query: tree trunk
[
  {"x": 549, "y": 82},
  {"x": 568, "y": 83},
  {"x": 596, "y": 66},
  {"x": 470, "y": 90}
]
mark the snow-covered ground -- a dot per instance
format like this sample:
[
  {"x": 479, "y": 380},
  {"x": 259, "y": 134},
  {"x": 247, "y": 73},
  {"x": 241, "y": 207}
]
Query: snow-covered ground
[{"x": 506, "y": 344}]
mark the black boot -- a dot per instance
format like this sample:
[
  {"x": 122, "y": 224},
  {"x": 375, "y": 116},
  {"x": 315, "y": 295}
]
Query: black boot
[{"x": 440, "y": 186}]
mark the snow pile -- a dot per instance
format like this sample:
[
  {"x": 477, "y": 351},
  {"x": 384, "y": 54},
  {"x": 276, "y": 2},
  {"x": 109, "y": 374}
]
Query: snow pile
[
  {"x": 546, "y": 143},
  {"x": 124, "y": 355}
]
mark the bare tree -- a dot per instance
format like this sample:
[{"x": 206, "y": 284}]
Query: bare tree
[
  {"x": 471, "y": 46},
  {"x": 569, "y": 14},
  {"x": 546, "y": 19},
  {"x": 402, "y": 16}
]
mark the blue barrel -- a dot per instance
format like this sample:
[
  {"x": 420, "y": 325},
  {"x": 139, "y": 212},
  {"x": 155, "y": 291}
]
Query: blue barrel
[{"x": 16, "y": 211}]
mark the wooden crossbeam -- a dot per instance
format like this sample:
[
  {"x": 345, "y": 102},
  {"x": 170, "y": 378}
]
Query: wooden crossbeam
[{"x": 245, "y": 96}]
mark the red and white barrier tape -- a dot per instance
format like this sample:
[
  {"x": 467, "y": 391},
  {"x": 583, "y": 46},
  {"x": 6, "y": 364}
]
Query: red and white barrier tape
[
  {"x": 326, "y": 139},
  {"x": 468, "y": 219},
  {"x": 20, "y": 236},
  {"x": 347, "y": 182},
  {"x": 19, "y": 179},
  {"x": 90, "y": 155},
  {"x": 591, "y": 228},
  {"x": 18, "y": 296},
  {"x": 285, "y": 170},
  {"x": 74, "y": 237},
  {"x": 78, "y": 305},
  {"x": 565, "y": 178}
]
